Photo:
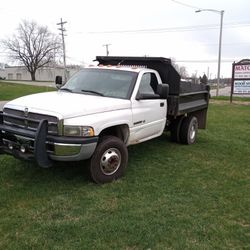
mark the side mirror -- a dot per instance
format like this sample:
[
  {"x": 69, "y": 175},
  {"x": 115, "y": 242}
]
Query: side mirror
[
  {"x": 163, "y": 90},
  {"x": 144, "y": 96},
  {"x": 58, "y": 82}
]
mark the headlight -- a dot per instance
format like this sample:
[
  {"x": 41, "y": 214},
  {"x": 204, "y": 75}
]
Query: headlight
[{"x": 78, "y": 131}]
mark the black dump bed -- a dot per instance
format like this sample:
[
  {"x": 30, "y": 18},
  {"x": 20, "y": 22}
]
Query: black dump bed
[{"x": 184, "y": 97}]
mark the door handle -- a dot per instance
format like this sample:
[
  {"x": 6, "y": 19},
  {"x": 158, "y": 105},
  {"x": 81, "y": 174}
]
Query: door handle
[{"x": 162, "y": 104}]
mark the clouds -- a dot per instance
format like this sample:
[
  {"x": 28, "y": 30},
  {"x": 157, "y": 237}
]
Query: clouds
[{"x": 85, "y": 17}]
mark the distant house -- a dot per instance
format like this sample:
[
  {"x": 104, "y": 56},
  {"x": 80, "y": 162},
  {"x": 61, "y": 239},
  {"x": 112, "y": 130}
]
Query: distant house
[
  {"x": 42, "y": 74},
  {"x": 2, "y": 66}
]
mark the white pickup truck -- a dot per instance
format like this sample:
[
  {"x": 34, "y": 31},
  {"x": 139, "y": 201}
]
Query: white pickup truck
[{"x": 100, "y": 111}]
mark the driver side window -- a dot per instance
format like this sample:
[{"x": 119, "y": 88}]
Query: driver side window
[{"x": 148, "y": 84}]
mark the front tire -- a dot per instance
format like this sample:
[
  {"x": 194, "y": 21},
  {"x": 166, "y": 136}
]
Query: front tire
[{"x": 109, "y": 160}]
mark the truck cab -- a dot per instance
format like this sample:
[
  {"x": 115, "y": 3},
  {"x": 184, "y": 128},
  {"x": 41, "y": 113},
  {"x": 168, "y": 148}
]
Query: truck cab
[{"x": 97, "y": 114}]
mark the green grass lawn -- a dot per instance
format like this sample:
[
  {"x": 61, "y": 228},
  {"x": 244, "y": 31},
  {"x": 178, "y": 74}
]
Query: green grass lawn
[
  {"x": 11, "y": 90},
  {"x": 235, "y": 98},
  {"x": 172, "y": 197}
]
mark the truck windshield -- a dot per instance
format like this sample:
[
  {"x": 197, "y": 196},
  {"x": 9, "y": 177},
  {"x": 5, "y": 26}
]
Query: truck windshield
[{"x": 102, "y": 82}]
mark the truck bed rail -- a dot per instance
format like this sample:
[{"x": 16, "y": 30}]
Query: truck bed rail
[{"x": 188, "y": 102}]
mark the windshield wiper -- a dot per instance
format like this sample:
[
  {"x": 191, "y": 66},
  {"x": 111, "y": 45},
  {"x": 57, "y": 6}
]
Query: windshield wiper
[
  {"x": 66, "y": 89},
  {"x": 92, "y": 91}
]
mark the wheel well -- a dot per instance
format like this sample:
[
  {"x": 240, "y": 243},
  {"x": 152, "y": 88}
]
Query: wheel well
[
  {"x": 201, "y": 116},
  {"x": 120, "y": 131}
]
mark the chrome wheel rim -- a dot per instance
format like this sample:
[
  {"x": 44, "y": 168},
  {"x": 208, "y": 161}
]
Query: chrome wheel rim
[
  {"x": 193, "y": 132},
  {"x": 110, "y": 161}
]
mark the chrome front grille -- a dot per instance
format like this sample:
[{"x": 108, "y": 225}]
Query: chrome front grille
[{"x": 29, "y": 120}]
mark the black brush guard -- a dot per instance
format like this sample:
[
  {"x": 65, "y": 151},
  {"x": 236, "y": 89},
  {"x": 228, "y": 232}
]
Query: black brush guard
[{"x": 40, "y": 138}]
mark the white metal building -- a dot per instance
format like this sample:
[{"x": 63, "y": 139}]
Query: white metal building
[{"x": 43, "y": 74}]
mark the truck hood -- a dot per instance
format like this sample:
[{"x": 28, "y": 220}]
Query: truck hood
[{"x": 67, "y": 105}]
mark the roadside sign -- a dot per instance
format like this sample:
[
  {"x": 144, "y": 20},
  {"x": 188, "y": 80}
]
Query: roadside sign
[
  {"x": 240, "y": 78},
  {"x": 242, "y": 71},
  {"x": 241, "y": 87}
]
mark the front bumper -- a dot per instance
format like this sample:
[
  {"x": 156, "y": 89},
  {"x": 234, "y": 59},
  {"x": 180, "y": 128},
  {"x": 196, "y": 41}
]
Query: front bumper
[{"x": 42, "y": 147}]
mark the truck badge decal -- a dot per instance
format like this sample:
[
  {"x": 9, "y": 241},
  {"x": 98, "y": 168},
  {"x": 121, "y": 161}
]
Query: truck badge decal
[{"x": 26, "y": 112}]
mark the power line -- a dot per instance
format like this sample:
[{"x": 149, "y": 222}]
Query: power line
[
  {"x": 173, "y": 29},
  {"x": 186, "y": 5},
  {"x": 206, "y": 61},
  {"x": 225, "y": 44}
]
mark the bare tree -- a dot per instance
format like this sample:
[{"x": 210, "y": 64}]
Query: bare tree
[
  {"x": 33, "y": 45},
  {"x": 183, "y": 72},
  {"x": 180, "y": 69},
  {"x": 204, "y": 79}
]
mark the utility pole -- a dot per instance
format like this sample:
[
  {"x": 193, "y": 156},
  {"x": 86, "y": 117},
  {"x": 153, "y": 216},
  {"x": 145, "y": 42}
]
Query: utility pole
[
  {"x": 107, "y": 48},
  {"x": 219, "y": 56},
  {"x": 221, "y": 12},
  {"x": 62, "y": 29}
]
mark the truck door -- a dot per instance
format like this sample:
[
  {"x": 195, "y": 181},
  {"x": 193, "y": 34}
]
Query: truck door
[{"x": 149, "y": 111}]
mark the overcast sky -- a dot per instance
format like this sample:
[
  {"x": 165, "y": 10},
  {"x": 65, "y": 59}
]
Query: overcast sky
[{"x": 164, "y": 28}]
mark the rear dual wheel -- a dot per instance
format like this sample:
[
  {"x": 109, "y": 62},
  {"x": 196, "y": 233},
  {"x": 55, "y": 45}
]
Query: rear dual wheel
[
  {"x": 184, "y": 130},
  {"x": 189, "y": 130}
]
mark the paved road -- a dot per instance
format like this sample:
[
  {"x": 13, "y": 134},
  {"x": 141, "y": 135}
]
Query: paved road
[{"x": 225, "y": 92}]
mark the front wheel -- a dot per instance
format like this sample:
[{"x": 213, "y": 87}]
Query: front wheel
[{"x": 109, "y": 160}]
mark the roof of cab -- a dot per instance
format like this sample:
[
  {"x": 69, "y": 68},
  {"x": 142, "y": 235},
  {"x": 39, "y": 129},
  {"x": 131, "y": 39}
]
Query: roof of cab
[
  {"x": 162, "y": 65},
  {"x": 131, "y": 68}
]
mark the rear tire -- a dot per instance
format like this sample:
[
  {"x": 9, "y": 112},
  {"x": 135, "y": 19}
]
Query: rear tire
[
  {"x": 175, "y": 129},
  {"x": 109, "y": 160},
  {"x": 189, "y": 130}
]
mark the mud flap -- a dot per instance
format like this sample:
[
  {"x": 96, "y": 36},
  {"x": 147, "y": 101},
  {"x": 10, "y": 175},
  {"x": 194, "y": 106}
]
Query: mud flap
[{"x": 40, "y": 151}]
